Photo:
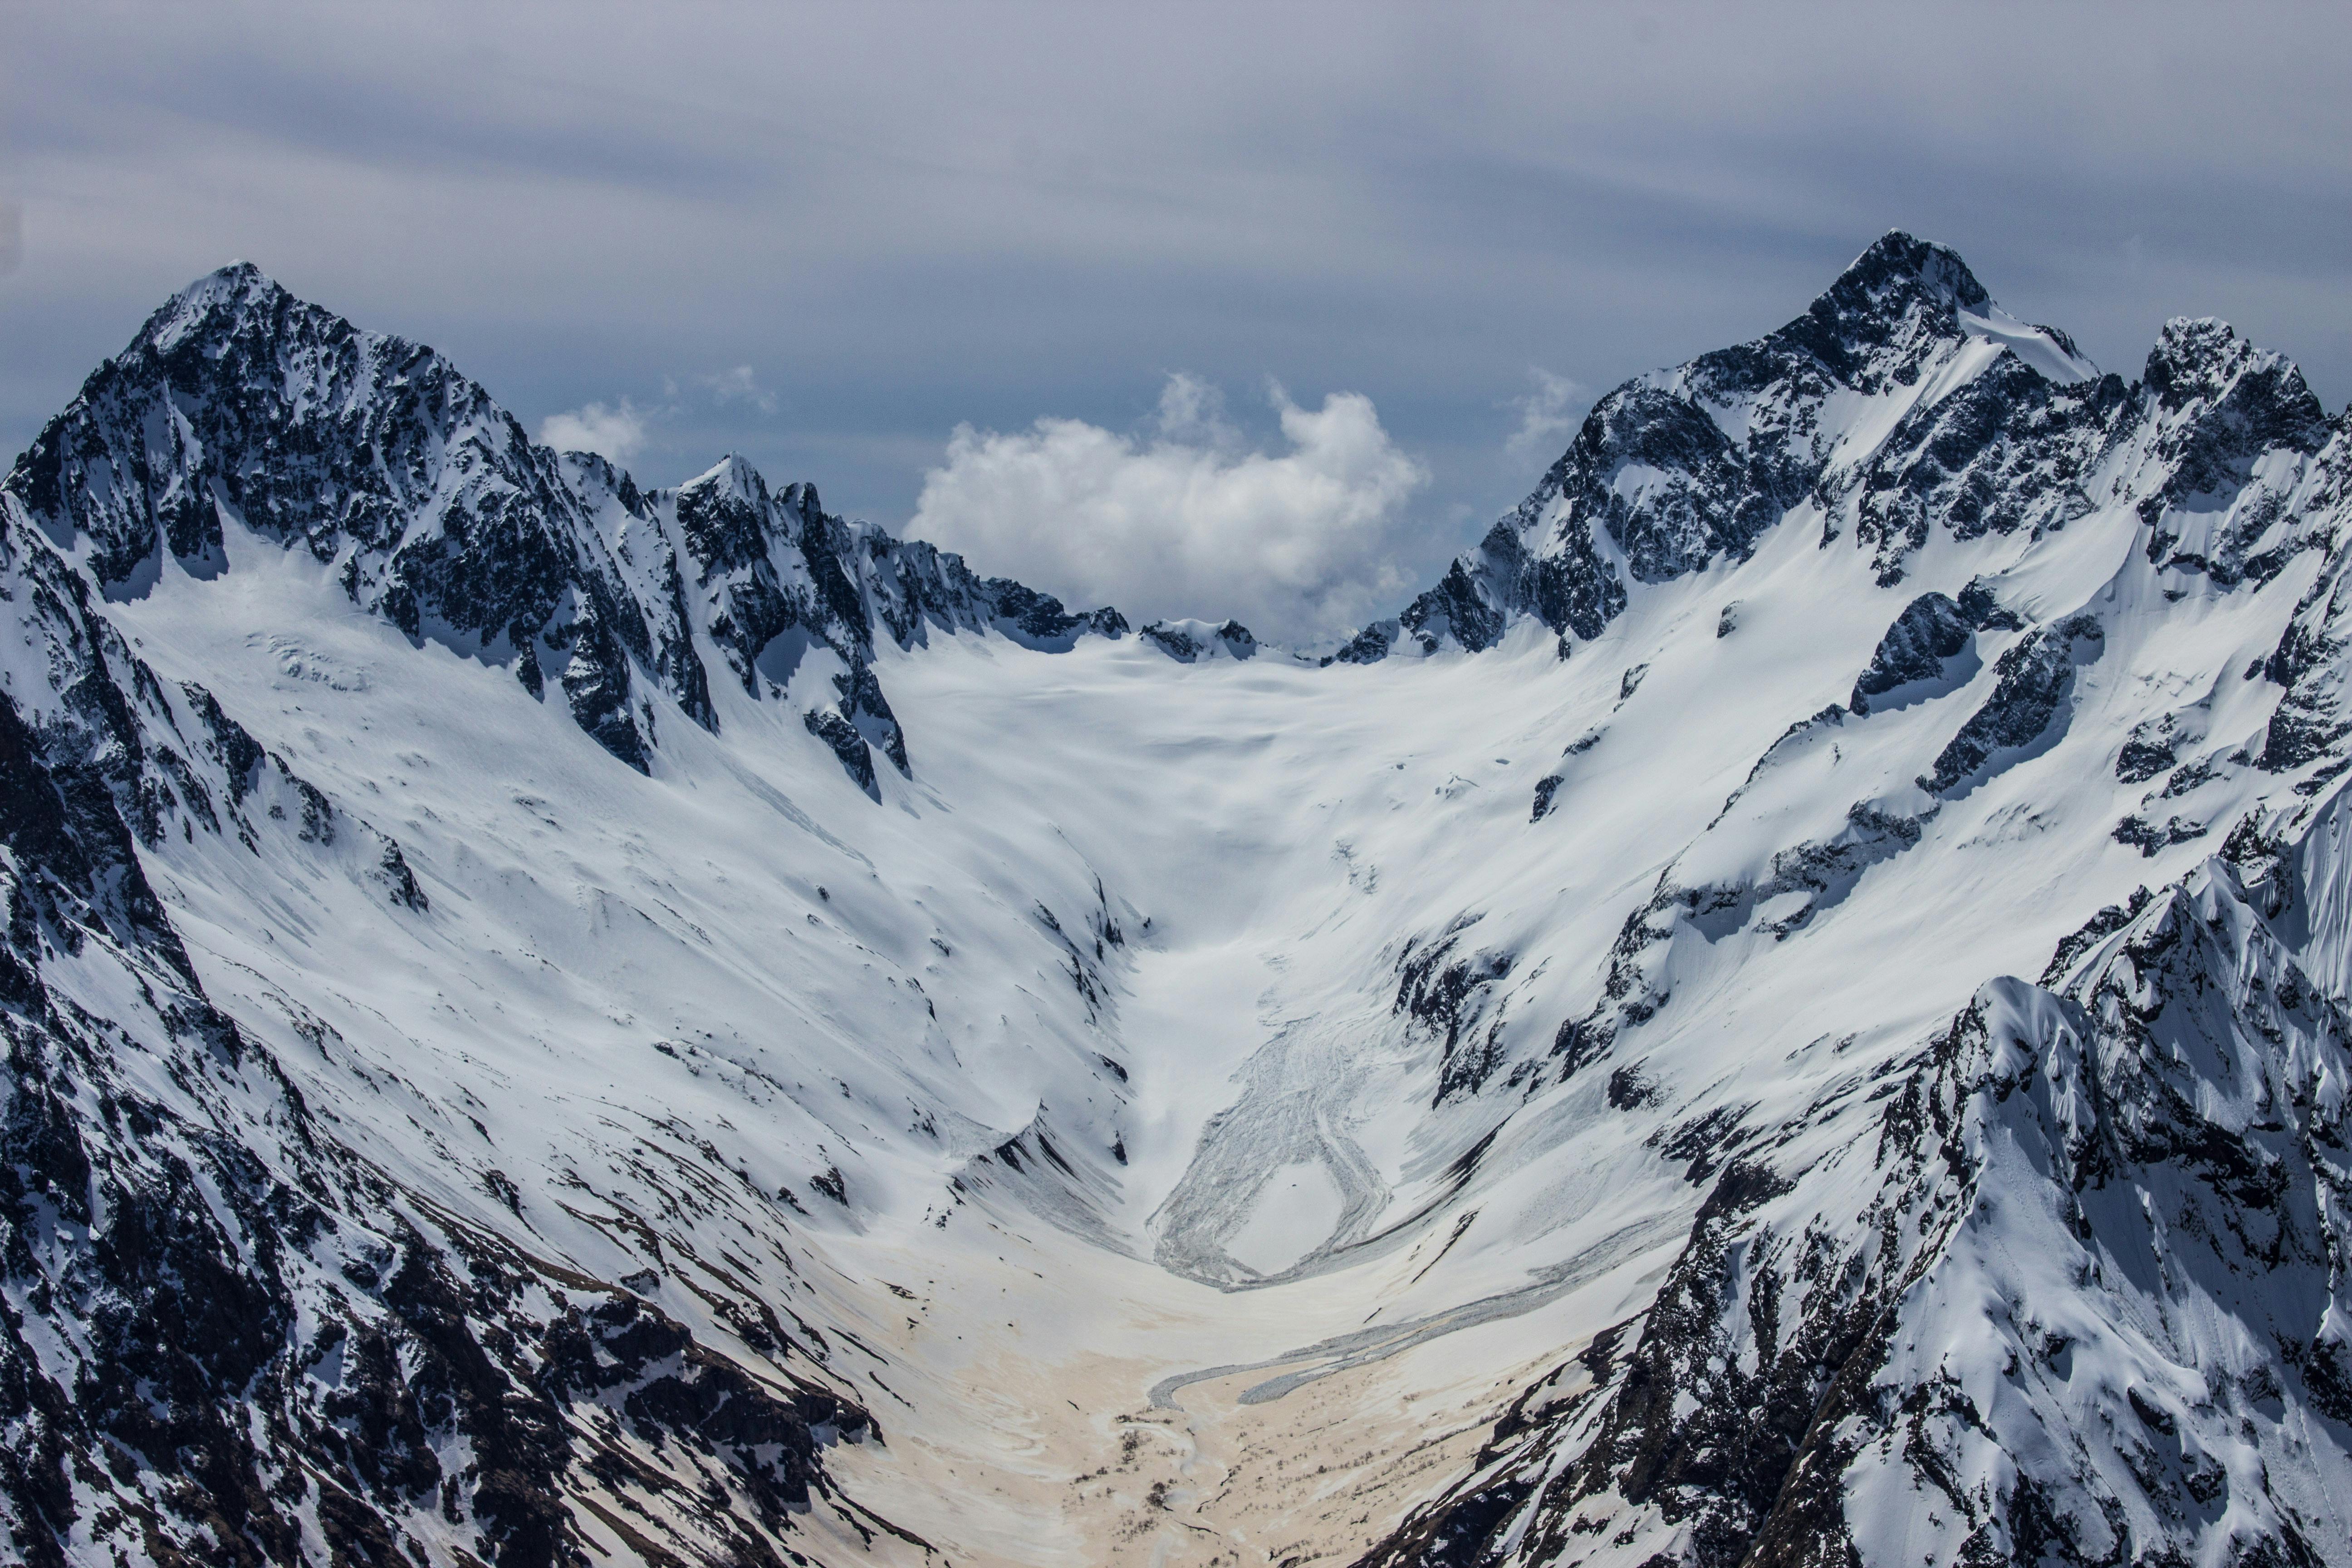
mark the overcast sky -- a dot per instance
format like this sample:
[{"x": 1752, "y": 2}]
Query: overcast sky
[{"x": 1263, "y": 310}]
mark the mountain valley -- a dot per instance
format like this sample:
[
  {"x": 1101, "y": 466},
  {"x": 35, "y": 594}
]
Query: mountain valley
[{"x": 1791, "y": 1009}]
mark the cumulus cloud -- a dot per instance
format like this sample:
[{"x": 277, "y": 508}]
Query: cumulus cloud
[
  {"x": 1185, "y": 518},
  {"x": 1548, "y": 415},
  {"x": 615, "y": 430}
]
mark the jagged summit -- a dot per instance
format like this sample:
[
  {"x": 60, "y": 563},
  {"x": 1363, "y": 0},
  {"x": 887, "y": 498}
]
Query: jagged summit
[
  {"x": 241, "y": 313},
  {"x": 239, "y": 405},
  {"x": 734, "y": 474},
  {"x": 238, "y": 281},
  {"x": 1898, "y": 265},
  {"x": 1903, "y": 403},
  {"x": 2201, "y": 358},
  {"x": 1900, "y": 303}
]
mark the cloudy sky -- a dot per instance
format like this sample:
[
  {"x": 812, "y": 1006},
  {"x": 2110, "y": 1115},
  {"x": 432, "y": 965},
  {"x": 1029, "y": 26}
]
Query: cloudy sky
[{"x": 1262, "y": 310}]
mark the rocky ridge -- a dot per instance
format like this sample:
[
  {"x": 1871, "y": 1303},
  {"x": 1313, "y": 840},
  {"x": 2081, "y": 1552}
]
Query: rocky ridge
[
  {"x": 2070, "y": 1290},
  {"x": 1682, "y": 469},
  {"x": 239, "y": 405}
]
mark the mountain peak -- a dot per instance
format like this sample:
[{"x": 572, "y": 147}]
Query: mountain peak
[
  {"x": 2241, "y": 399},
  {"x": 733, "y": 480},
  {"x": 2196, "y": 355},
  {"x": 731, "y": 475},
  {"x": 1899, "y": 264},
  {"x": 239, "y": 276},
  {"x": 233, "y": 290}
]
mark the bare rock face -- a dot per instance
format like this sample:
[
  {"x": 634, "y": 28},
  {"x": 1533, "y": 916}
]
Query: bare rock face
[
  {"x": 1674, "y": 484},
  {"x": 239, "y": 406},
  {"x": 1912, "y": 1342},
  {"x": 1189, "y": 642},
  {"x": 1930, "y": 634},
  {"x": 1684, "y": 468},
  {"x": 240, "y": 402},
  {"x": 2036, "y": 677}
]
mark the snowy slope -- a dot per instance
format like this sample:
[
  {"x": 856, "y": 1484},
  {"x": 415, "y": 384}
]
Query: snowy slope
[{"x": 1808, "y": 1024}]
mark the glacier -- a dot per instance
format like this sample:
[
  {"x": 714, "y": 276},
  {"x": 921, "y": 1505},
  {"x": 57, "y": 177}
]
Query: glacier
[{"x": 1791, "y": 1009}]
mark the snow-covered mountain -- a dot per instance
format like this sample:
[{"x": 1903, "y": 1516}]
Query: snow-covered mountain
[{"x": 557, "y": 1022}]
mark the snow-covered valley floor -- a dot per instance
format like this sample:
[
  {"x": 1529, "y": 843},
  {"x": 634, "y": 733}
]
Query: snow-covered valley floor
[
  {"x": 617, "y": 965},
  {"x": 741, "y": 962}
]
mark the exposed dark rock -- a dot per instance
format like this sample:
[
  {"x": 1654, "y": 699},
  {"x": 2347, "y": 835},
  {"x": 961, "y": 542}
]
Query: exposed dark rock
[
  {"x": 1679, "y": 469},
  {"x": 2149, "y": 838},
  {"x": 1629, "y": 1090},
  {"x": 1370, "y": 645},
  {"x": 2030, "y": 699},
  {"x": 2006, "y": 452},
  {"x": 2140, "y": 761},
  {"x": 1186, "y": 643},
  {"x": 1445, "y": 994},
  {"x": 1453, "y": 609},
  {"x": 847, "y": 744},
  {"x": 400, "y": 881},
  {"x": 1546, "y": 788},
  {"x": 1039, "y": 619},
  {"x": 1791, "y": 1343},
  {"x": 350, "y": 445},
  {"x": 2098, "y": 928},
  {"x": 2227, "y": 403},
  {"x": 1984, "y": 612},
  {"x": 237, "y": 399},
  {"x": 1704, "y": 496},
  {"x": 1931, "y": 632},
  {"x": 1576, "y": 1046}
]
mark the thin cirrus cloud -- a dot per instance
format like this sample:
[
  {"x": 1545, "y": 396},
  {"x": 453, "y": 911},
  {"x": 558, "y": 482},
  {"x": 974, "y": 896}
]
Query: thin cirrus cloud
[
  {"x": 1548, "y": 415},
  {"x": 623, "y": 429},
  {"x": 1185, "y": 517},
  {"x": 738, "y": 385}
]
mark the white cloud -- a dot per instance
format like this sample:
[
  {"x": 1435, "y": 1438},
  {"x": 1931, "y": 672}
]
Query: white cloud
[
  {"x": 1186, "y": 519},
  {"x": 1548, "y": 415},
  {"x": 615, "y": 431},
  {"x": 1192, "y": 410},
  {"x": 740, "y": 383}
]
